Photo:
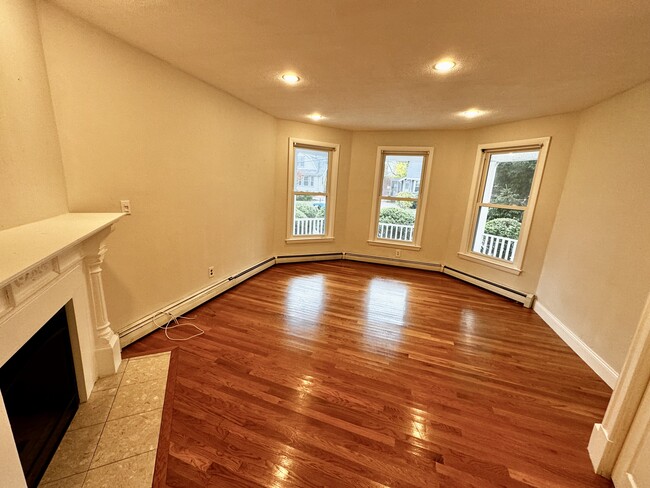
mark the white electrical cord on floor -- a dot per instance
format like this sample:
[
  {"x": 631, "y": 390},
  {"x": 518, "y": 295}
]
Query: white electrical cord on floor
[{"x": 174, "y": 319}]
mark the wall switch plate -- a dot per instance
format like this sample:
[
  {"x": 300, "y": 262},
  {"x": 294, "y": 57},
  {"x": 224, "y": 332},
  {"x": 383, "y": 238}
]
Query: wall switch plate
[
  {"x": 211, "y": 272},
  {"x": 126, "y": 206}
]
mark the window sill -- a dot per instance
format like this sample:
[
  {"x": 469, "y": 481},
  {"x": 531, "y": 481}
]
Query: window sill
[
  {"x": 508, "y": 268},
  {"x": 396, "y": 244},
  {"x": 303, "y": 240}
]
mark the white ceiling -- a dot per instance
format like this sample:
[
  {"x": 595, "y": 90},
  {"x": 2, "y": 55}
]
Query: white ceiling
[{"x": 366, "y": 64}]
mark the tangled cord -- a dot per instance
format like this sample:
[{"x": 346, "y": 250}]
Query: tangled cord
[{"x": 173, "y": 319}]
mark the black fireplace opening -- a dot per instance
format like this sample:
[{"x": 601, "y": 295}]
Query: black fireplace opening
[{"x": 40, "y": 393}]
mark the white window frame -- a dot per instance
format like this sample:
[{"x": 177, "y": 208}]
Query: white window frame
[
  {"x": 478, "y": 184},
  {"x": 330, "y": 189},
  {"x": 382, "y": 151}
]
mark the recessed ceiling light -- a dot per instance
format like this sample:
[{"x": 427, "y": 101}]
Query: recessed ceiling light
[
  {"x": 316, "y": 117},
  {"x": 472, "y": 113},
  {"x": 444, "y": 66},
  {"x": 290, "y": 78}
]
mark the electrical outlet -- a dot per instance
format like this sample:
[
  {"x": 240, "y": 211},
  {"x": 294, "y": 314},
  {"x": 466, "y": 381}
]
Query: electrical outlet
[
  {"x": 126, "y": 206},
  {"x": 398, "y": 253},
  {"x": 211, "y": 272}
]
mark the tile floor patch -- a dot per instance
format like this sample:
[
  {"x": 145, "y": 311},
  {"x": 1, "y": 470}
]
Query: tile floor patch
[
  {"x": 95, "y": 410},
  {"x": 140, "y": 370},
  {"x": 75, "y": 481},
  {"x": 134, "y": 472},
  {"x": 138, "y": 398},
  {"x": 126, "y": 437},
  {"x": 74, "y": 453},
  {"x": 112, "y": 381},
  {"x": 120, "y": 451}
]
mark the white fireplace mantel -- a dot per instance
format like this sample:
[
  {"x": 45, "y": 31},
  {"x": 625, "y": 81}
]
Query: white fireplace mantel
[{"x": 45, "y": 266}]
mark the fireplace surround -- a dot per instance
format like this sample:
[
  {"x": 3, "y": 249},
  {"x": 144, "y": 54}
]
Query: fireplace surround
[{"x": 46, "y": 266}]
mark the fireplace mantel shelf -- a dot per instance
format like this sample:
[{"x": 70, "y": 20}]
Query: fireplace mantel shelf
[{"x": 28, "y": 246}]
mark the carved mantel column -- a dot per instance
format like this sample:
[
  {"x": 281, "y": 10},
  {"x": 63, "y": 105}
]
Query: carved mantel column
[{"x": 107, "y": 343}]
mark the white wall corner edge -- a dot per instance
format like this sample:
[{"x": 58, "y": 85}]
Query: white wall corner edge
[{"x": 608, "y": 374}]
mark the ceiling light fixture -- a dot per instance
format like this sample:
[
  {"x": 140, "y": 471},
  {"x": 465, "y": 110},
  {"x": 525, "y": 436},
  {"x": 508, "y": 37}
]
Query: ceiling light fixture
[
  {"x": 316, "y": 117},
  {"x": 472, "y": 113},
  {"x": 290, "y": 78},
  {"x": 444, "y": 66}
]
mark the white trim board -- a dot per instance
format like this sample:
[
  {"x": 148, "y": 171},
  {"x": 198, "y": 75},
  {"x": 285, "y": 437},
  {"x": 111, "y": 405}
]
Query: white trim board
[{"x": 588, "y": 355}]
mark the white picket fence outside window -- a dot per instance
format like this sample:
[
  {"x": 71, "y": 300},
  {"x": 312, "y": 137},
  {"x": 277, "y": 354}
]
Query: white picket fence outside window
[
  {"x": 496, "y": 246},
  {"x": 395, "y": 232},
  {"x": 309, "y": 227}
]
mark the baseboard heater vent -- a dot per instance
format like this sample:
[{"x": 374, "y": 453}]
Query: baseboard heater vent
[
  {"x": 300, "y": 258},
  {"x": 252, "y": 268},
  {"x": 404, "y": 263},
  {"x": 151, "y": 322},
  {"x": 524, "y": 298}
]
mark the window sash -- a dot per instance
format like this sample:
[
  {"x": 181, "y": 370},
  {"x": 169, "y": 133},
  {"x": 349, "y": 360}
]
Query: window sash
[
  {"x": 420, "y": 199},
  {"x": 399, "y": 199},
  {"x": 329, "y": 193},
  {"x": 478, "y": 189}
]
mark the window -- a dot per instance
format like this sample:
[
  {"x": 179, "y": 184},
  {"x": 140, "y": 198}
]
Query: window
[
  {"x": 312, "y": 190},
  {"x": 400, "y": 195},
  {"x": 502, "y": 200}
]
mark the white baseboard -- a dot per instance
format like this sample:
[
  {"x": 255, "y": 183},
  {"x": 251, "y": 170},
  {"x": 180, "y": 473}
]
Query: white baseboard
[
  {"x": 588, "y": 355},
  {"x": 145, "y": 325},
  {"x": 402, "y": 263}
]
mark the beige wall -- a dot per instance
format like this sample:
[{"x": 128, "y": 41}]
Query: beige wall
[
  {"x": 312, "y": 132},
  {"x": 597, "y": 269},
  {"x": 32, "y": 185},
  {"x": 451, "y": 178},
  {"x": 195, "y": 162}
]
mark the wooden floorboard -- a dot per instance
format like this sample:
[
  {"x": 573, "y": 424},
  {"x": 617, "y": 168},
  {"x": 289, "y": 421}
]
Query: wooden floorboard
[{"x": 349, "y": 374}]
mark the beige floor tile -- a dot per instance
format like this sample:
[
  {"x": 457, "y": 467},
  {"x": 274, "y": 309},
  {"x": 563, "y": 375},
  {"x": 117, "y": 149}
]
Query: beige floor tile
[
  {"x": 108, "y": 382},
  {"x": 113, "y": 381},
  {"x": 134, "y": 472},
  {"x": 75, "y": 481},
  {"x": 127, "y": 437},
  {"x": 138, "y": 398},
  {"x": 95, "y": 410},
  {"x": 147, "y": 368},
  {"x": 74, "y": 453}
]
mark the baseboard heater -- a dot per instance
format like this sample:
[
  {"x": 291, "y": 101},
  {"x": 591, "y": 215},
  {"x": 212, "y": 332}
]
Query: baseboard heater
[
  {"x": 404, "y": 263},
  {"x": 151, "y": 322},
  {"x": 252, "y": 268},
  {"x": 300, "y": 258},
  {"x": 526, "y": 299}
]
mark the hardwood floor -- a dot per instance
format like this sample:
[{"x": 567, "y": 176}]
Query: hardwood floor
[{"x": 349, "y": 374}]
